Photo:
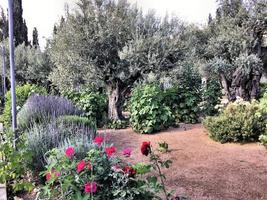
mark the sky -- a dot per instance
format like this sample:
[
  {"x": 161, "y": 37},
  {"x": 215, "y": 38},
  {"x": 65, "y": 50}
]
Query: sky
[{"x": 44, "y": 13}]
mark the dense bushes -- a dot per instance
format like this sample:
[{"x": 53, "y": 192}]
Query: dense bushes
[
  {"x": 148, "y": 112},
  {"x": 22, "y": 94},
  {"x": 212, "y": 95},
  {"x": 239, "y": 122},
  {"x": 93, "y": 103},
  {"x": 39, "y": 108},
  {"x": 183, "y": 103}
]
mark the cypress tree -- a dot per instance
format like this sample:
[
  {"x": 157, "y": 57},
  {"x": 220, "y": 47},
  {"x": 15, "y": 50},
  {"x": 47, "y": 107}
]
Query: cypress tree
[
  {"x": 3, "y": 25},
  {"x": 20, "y": 27},
  {"x": 35, "y": 41}
]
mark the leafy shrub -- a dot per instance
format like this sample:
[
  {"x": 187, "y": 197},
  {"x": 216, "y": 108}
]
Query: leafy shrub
[
  {"x": 39, "y": 108},
  {"x": 93, "y": 103},
  {"x": 239, "y": 122},
  {"x": 13, "y": 166},
  {"x": 183, "y": 103},
  {"x": 263, "y": 89},
  {"x": 102, "y": 175},
  {"x": 22, "y": 94},
  {"x": 119, "y": 124},
  {"x": 44, "y": 137},
  {"x": 263, "y": 140},
  {"x": 211, "y": 97},
  {"x": 148, "y": 112}
]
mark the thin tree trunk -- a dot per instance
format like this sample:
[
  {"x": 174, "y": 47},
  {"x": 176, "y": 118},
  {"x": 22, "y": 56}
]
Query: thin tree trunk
[{"x": 115, "y": 102}]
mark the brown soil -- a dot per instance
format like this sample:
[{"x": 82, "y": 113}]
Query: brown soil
[{"x": 204, "y": 169}]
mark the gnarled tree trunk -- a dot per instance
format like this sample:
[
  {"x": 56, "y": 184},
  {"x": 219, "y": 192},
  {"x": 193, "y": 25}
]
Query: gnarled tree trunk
[
  {"x": 246, "y": 86},
  {"x": 115, "y": 101}
]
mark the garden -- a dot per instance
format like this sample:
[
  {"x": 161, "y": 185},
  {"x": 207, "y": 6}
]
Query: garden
[{"x": 123, "y": 104}]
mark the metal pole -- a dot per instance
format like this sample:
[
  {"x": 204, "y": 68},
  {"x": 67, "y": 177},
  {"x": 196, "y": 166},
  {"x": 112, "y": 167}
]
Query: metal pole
[
  {"x": 4, "y": 72},
  {"x": 12, "y": 70}
]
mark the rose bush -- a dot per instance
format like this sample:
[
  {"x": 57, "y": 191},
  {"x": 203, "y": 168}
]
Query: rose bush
[{"x": 102, "y": 175}]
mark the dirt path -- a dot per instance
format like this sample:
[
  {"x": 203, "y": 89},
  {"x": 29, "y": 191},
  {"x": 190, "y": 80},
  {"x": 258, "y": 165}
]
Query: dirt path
[{"x": 204, "y": 169}]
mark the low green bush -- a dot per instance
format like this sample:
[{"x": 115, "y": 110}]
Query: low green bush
[
  {"x": 93, "y": 103},
  {"x": 148, "y": 112},
  {"x": 76, "y": 120},
  {"x": 239, "y": 122},
  {"x": 22, "y": 94}
]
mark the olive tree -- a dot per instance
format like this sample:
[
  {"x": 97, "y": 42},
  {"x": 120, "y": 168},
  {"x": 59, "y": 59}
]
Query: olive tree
[{"x": 113, "y": 43}]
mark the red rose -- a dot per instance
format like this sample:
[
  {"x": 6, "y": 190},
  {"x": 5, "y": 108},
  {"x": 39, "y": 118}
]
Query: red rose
[
  {"x": 110, "y": 151},
  {"x": 80, "y": 166},
  {"x": 90, "y": 187},
  {"x": 98, "y": 140},
  {"x": 129, "y": 170},
  {"x": 69, "y": 152},
  {"x": 145, "y": 148}
]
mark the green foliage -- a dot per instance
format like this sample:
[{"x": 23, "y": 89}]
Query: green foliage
[
  {"x": 41, "y": 138},
  {"x": 13, "y": 166},
  {"x": 263, "y": 89},
  {"x": 211, "y": 97},
  {"x": 93, "y": 103},
  {"x": 119, "y": 124},
  {"x": 163, "y": 147},
  {"x": 77, "y": 121},
  {"x": 148, "y": 112},
  {"x": 22, "y": 94},
  {"x": 183, "y": 103},
  {"x": 263, "y": 140},
  {"x": 32, "y": 65},
  {"x": 239, "y": 122}
]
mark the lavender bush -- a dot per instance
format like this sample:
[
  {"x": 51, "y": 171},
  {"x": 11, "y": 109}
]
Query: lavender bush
[{"x": 40, "y": 108}]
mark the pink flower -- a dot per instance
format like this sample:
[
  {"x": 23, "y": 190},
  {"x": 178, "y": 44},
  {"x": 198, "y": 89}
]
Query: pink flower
[
  {"x": 115, "y": 168},
  {"x": 80, "y": 166},
  {"x": 51, "y": 174},
  {"x": 110, "y": 151},
  {"x": 90, "y": 187},
  {"x": 98, "y": 140},
  {"x": 69, "y": 152},
  {"x": 48, "y": 176},
  {"x": 127, "y": 152}
]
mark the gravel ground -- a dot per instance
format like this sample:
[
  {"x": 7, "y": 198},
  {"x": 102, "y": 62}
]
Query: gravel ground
[{"x": 204, "y": 169}]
